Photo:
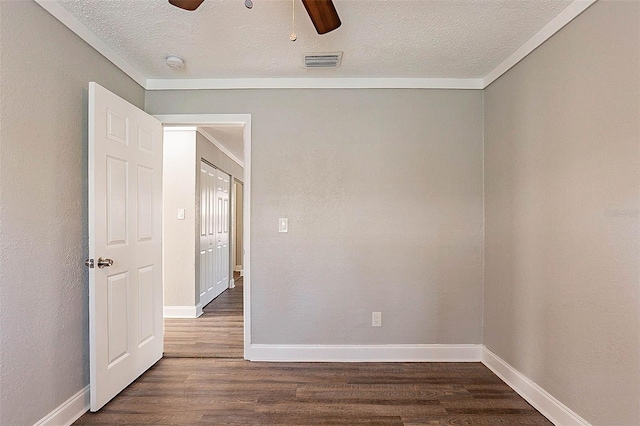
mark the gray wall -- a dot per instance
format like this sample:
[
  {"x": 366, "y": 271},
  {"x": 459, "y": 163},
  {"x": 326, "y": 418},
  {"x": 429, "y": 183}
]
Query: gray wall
[
  {"x": 383, "y": 191},
  {"x": 44, "y": 75},
  {"x": 207, "y": 150},
  {"x": 562, "y": 293}
]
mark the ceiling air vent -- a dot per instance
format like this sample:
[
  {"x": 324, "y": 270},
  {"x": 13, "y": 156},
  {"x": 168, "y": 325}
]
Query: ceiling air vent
[{"x": 322, "y": 60}]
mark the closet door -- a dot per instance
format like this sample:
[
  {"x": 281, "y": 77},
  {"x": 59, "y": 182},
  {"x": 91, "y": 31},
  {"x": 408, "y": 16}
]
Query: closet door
[
  {"x": 207, "y": 254},
  {"x": 223, "y": 213}
]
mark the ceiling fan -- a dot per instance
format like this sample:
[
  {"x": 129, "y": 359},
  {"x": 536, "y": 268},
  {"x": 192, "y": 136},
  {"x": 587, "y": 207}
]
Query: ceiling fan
[{"x": 323, "y": 13}]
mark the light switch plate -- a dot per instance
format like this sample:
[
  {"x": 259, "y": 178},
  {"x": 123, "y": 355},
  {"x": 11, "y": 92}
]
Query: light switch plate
[
  {"x": 181, "y": 214},
  {"x": 376, "y": 319},
  {"x": 283, "y": 224}
]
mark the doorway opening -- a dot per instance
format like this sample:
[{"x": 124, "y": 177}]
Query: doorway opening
[{"x": 206, "y": 235}]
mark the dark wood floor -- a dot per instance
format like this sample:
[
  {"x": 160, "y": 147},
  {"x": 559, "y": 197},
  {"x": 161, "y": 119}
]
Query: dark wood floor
[
  {"x": 218, "y": 333},
  {"x": 212, "y": 389},
  {"x": 209, "y": 391}
]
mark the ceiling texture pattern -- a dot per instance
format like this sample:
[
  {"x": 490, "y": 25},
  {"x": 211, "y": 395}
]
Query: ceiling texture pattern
[{"x": 379, "y": 38}]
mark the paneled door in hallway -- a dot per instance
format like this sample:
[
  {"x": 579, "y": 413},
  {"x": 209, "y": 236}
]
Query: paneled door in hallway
[
  {"x": 214, "y": 232},
  {"x": 207, "y": 254},
  {"x": 223, "y": 213}
]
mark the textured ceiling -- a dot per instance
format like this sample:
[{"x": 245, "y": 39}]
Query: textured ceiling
[{"x": 379, "y": 38}]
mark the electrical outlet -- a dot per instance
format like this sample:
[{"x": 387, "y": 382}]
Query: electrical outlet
[{"x": 376, "y": 319}]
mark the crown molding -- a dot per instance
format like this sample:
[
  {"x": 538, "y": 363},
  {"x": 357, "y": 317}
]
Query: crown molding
[
  {"x": 208, "y": 136},
  {"x": 71, "y": 22},
  {"x": 555, "y": 25},
  {"x": 314, "y": 83}
]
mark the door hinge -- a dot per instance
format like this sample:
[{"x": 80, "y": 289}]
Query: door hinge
[{"x": 89, "y": 263}]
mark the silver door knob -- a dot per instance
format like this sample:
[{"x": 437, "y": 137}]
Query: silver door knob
[{"x": 104, "y": 263}]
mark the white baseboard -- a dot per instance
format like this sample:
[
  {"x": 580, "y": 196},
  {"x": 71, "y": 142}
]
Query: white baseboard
[
  {"x": 182, "y": 311},
  {"x": 237, "y": 268},
  {"x": 365, "y": 353},
  {"x": 554, "y": 410},
  {"x": 232, "y": 283},
  {"x": 541, "y": 400},
  {"x": 69, "y": 411}
]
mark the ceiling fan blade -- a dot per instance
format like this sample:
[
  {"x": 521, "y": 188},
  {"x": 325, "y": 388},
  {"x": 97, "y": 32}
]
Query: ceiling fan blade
[
  {"x": 186, "y": 4},
  {"x": 323, "y": 14}
]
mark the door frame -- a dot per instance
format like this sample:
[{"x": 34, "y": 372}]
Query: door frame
[{"x": 230, "y": 120}]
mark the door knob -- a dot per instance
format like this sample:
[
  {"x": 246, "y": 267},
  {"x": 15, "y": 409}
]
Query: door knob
[{"x": 104, "y": 263}]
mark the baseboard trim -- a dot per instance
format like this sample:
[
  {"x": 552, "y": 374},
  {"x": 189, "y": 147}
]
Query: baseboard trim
[
  {"x": 554, "y": 410},
  {"x": 69, "y": 411},
  {"x": 232, "y": 283},
  {"x": 540, "y": 399},
  {"x": 182, "y": 311},
  {"x": 365, "y": 353}
]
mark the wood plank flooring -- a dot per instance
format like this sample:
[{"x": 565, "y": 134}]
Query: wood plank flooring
[
  {"x": 210, "y": 391},
  {"x": 200, "y": 383},
  {"x": 218, "y": 333}
]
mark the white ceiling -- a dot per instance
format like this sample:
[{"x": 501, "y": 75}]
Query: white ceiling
[{"x": 380, "y": 38}]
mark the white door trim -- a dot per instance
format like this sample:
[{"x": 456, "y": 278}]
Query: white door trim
[{"x": 245, "y": 121}]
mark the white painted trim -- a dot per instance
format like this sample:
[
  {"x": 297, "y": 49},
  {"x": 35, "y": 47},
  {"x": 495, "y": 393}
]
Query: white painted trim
[
  {"x": 71, "y": 22},
  {"x": 540, "y": 399},
  {"x": 555, "y": 25},
  {"x": 69, "y": 411},
  {"x": 231, "y": 119},
  {"x": 182, "y": 311},
  {"x": 365, "y": 353},
  {"x": 314, "y": 83},
  {"x": 232, "y": 283},
  {"x": 237, "y": 268},
  {"x": 246, "y": 235},
  {"x": 219, "y": 145}
]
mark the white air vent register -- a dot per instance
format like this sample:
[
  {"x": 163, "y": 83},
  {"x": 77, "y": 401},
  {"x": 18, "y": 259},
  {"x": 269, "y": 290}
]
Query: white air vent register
[{"x": 322, "y": 60}]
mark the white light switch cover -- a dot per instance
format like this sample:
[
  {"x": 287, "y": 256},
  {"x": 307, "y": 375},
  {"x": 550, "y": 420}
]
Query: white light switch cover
[
  {"x": 181, "y": 214},
  {"x": 283, "y": 224}
]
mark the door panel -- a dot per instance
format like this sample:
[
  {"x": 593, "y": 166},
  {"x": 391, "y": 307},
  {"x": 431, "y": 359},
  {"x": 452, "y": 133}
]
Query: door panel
[
  {"x": 223, "y": 185},
  {"x": 145, "y": 203},
  {"x": 145, "y": 301},
  {"x": 117, "y": 183},
  {"x": 207, "y": 234},
  {"x": 118, "y": 288},
  {"x": 125, "y": 225}
]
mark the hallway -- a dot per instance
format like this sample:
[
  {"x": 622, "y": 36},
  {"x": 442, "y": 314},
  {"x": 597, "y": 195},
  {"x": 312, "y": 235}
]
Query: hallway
[{"x": 217, "y": 333}]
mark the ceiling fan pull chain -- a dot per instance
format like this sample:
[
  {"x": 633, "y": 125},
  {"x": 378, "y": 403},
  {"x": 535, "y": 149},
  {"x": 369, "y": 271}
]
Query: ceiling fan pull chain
[{"x": 293, "y": 36}]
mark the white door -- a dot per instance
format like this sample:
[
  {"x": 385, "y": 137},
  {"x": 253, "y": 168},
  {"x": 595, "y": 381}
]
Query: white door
[
  {"x": 125, "y": 243},
  {"x": 207, "y": 251},
  {"x": 223, "y": 185}
]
